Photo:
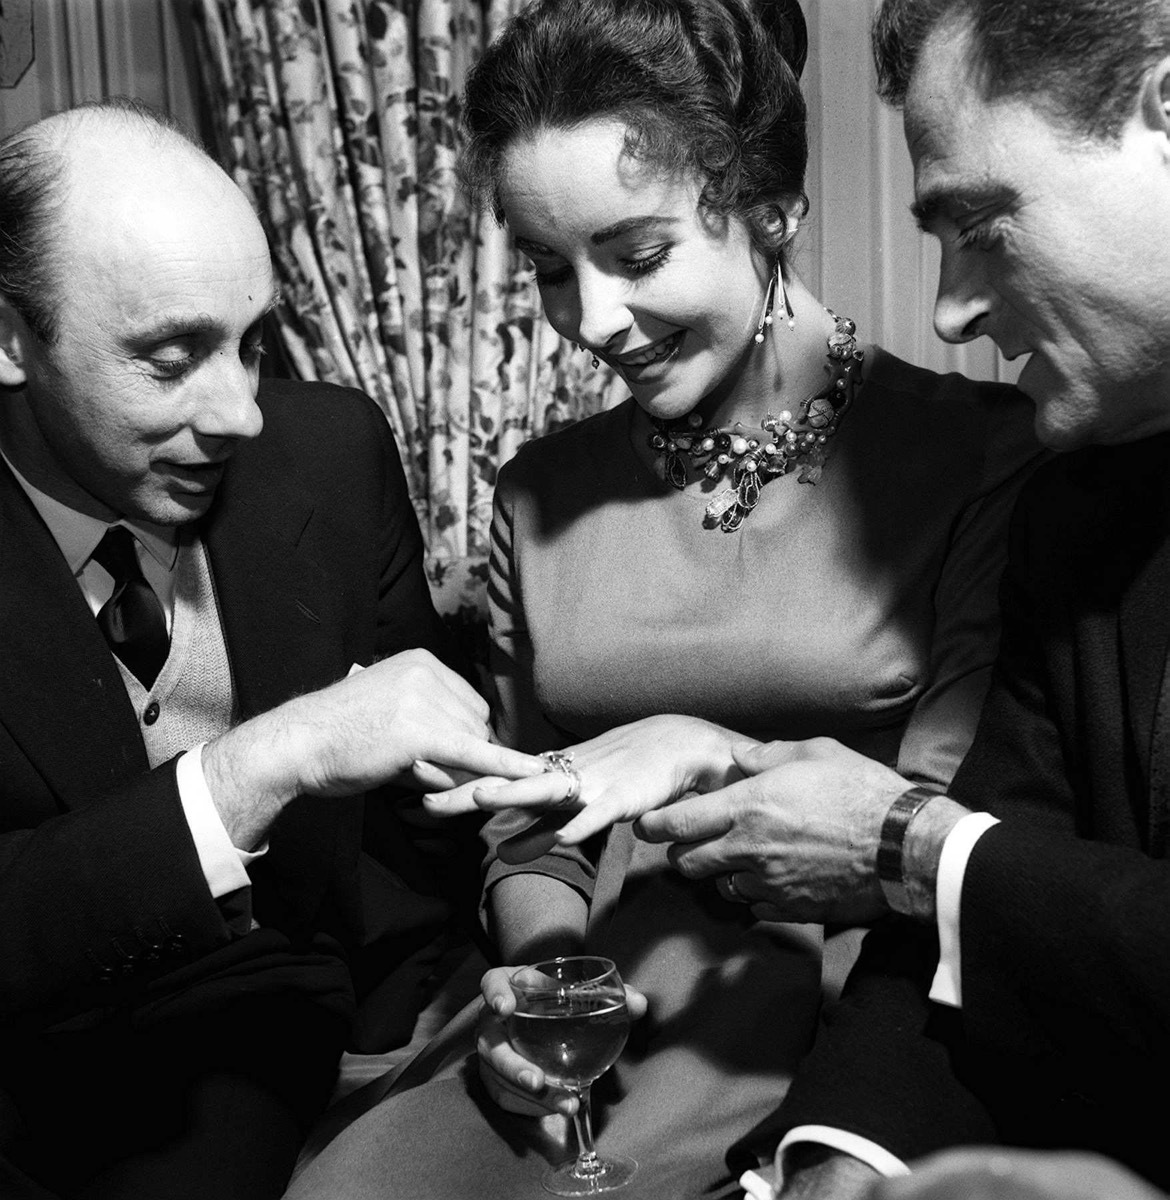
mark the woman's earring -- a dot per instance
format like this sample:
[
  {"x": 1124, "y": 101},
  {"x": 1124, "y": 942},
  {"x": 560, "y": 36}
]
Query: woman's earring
[
  {"x": 769, "y": 299},
  {"x": 787, "y": 302}
]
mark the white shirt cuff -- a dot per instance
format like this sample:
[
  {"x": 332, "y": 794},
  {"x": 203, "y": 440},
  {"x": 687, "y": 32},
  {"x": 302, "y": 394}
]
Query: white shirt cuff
[
  {"x": 759, "y": 1186},
  {"x": 224, "y": 867},
  {"x": 946, "y": 987}
]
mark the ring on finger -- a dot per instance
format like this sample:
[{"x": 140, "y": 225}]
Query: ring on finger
[
  {"x": 730, "y": 891},
  {"x": 562, "y": 760},
  {"x": 574, "y": 787}
]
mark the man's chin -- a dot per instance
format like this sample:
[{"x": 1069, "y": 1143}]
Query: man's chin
[
  {"x": 1058, "y": 429},
  {"x": 171, "y": 510}
]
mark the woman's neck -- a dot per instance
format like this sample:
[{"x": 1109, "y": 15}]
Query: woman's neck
[{"x": 782, "y": 372}]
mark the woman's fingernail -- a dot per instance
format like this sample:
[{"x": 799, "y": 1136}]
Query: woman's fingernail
[
  {"x": 528, "y": 1080},
  {"x": 498, "y": 1005}
]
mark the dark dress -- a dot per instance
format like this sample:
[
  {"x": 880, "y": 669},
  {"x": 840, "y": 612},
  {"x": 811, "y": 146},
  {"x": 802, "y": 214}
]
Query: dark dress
[{"x": 862, "y": 607}]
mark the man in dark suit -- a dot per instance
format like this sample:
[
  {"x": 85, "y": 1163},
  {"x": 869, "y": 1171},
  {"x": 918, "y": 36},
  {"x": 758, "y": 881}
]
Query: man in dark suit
[
  {"x": 1023, "y": 994},
  {"x": 215, "y": 641}
]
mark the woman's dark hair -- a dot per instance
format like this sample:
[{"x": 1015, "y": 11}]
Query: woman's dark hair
[
  {"x": 707, "y": 87},
  {"x": 1080, "y": 61},
  {"x": 32, "y": 172}
]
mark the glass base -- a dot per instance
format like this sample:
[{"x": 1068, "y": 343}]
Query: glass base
[{"x": 613, "y": 1171}]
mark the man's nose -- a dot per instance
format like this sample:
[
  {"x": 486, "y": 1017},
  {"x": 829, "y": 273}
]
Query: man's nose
[
  {"x": 964, "y": 300},
  {"x": 228, "y": 407}
]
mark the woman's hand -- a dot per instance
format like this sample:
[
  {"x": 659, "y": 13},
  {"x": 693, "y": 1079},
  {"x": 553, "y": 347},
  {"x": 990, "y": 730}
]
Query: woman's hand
[
  {"x": 624, "y": 773},
  {"x": 512, "y": 1081}
]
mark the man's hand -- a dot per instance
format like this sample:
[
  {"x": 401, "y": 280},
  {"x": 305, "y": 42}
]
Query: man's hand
[
  {"x": 800, "y": 834},
  {"x": 367, "y": 729},
  {"x": 994, "y": 1174}
]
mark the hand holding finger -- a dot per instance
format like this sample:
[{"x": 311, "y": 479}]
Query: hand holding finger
[
  {"x": 541, "y": 792},
  {"x": 691, "y": 819},
  {"x": 476, "y": 756},
  {"x": 456, "y": 798}
]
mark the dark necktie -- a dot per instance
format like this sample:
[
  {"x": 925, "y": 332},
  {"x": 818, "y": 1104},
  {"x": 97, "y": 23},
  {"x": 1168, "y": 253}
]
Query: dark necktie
[{"x": 132, "y": 619}]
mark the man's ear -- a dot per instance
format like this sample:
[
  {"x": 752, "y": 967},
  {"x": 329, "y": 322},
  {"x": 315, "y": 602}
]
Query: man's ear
[
  {"x": 14, "y": 338},
  {"x": 1155, "y": 97}
]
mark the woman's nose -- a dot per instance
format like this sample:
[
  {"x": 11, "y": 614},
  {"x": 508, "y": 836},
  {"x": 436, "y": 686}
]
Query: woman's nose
[{"x": 604, "y": 314}]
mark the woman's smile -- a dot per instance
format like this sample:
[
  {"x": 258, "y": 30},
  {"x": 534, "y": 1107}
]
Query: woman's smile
[{"x": 639, "y": 366}]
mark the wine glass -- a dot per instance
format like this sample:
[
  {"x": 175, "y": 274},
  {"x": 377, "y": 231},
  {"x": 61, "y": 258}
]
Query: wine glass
[{"x": 571, "y": 1020}]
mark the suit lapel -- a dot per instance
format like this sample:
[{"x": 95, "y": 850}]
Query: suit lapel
[
  {"x": 281, "y": 622},
  {"x": 61, "y": 695}
]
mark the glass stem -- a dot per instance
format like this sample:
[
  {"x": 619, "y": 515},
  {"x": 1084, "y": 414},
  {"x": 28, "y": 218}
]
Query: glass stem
[{"x": 587, "y": 1161}]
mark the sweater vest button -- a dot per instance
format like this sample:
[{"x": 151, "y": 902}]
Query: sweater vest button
[{"x": 151, "y": 714}]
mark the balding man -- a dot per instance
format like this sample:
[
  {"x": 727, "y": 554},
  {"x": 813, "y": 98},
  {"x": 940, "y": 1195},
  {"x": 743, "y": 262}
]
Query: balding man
[{"x": 191, "y": 564}]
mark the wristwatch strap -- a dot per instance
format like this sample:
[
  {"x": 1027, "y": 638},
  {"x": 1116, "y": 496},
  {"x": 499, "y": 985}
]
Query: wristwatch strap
[{"x": 893, "y": 837}]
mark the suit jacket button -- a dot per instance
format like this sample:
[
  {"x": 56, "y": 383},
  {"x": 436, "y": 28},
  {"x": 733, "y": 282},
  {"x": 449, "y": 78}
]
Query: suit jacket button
[
  {"x": 106, "y": 975},
  {"x": 151, "y": 714}
]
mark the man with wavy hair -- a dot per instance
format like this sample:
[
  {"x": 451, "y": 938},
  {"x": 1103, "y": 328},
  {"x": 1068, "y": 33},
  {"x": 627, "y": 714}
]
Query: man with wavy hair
[{"x": 1021, "y": 994}]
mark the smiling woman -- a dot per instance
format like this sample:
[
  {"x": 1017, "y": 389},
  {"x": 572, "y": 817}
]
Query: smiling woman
[{"x": 783, "y": 532}]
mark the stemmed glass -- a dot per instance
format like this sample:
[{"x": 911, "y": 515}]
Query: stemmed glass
[{"x": 571, "y": 1020}]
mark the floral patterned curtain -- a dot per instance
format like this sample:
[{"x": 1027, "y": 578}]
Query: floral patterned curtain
[{"x": 340, "y": 119}]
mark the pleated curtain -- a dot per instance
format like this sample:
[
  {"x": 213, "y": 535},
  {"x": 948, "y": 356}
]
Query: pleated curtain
[{"x": 340, "y": 119}]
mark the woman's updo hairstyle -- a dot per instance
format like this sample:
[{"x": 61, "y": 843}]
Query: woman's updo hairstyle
[{"x": 708, "y": 87}]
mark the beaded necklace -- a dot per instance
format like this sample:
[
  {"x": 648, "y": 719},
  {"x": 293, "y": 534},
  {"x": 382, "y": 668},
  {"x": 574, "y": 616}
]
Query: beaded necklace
[{"x": 750, "y": 462}]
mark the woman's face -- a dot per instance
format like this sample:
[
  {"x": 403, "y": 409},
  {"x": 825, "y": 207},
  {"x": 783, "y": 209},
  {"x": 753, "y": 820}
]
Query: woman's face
[{"x": 632, "y": 268}]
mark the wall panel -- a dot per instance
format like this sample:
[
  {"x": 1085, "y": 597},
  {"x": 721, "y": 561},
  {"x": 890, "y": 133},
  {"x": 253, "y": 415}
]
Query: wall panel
[{"x": 87, "y": 49}]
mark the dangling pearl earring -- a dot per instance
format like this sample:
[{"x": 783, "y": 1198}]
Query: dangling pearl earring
[
  {"x": 787, "y": 302},
  {"x": 769, "y": 299}
]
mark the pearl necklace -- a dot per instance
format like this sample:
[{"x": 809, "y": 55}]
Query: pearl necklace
[{"x": 792, "y": 441}]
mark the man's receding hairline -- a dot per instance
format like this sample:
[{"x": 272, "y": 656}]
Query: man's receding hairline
[{"x": 67, "y": 135}]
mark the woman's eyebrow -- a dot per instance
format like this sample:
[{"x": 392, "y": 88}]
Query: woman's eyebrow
[{"x": 629, "y": 225}]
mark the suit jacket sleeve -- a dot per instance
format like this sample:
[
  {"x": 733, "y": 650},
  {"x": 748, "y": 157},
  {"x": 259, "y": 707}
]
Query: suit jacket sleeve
[
  {"x": 1065, "y": 948},
  {"x": 102, "y": 899}
]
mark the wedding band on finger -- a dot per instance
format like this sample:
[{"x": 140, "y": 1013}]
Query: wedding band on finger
[
  {"x": 574, "y": 787},
  {"x": 727, "y": 888},
  {"x": 562, "y": 760}
]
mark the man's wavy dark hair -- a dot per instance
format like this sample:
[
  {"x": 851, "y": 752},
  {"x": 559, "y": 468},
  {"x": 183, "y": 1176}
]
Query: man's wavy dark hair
[{"x": 1080, "y": 61}]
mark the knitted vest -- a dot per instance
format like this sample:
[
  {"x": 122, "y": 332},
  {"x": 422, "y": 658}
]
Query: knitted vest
[{"x": 193, "y": 699}]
